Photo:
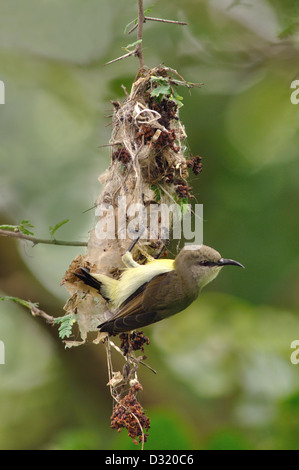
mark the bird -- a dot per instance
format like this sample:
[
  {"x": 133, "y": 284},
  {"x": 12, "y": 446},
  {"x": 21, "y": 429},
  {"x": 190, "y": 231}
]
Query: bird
[{"x": 146, "y": 294}]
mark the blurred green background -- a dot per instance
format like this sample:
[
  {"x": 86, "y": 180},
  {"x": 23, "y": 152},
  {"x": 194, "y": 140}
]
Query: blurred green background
[{"x": 225, "y": 379}]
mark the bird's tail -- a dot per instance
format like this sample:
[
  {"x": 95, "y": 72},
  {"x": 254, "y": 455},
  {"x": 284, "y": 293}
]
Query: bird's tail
[{"x": 91, "y": 281}]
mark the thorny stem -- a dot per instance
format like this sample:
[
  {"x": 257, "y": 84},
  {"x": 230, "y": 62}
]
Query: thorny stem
[
  {"x": 161, "y": 20},
  {"x": 139, "y": 52},
  {"x": 36, "y": 312},
  {"x": 139, "y": 25},
  {"x": 121, "y": 57},
  {"x": 36, "y": 241}
]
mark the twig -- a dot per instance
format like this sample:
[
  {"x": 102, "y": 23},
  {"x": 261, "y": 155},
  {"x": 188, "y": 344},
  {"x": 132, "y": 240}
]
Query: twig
[
  {"x": 141, "y": 429},
  {"x": 35, "y": 241},
  {"x": 139, "y": 52},
  {"x": 136, "y": 361},
  {"x": 121, "y": 57},
  {"x": 186, "y": 84},
  {"x": 162, "y": 20},
  {"x": 150, "y": 18},
  {"x": 36, "y": 312},
  {"x": 113, "y": 392},
  {"x": 139, "y": 25},
  {"x": 109, "y": 366},
  {"x": 138, "y": 49},
  {"x": 133, "y": 28},
  {"x": 108, "y": 145},
  {"x": 125, "y": 90}
]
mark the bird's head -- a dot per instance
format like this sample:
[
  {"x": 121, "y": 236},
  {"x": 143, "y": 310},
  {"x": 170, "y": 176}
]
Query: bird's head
[{"x": 202, "y": 263}]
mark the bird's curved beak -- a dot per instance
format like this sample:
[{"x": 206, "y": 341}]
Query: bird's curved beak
[{"x": 225, "y": 262}]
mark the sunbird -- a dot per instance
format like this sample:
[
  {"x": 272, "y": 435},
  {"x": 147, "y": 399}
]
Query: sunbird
[{"x": 146, "y": 294}]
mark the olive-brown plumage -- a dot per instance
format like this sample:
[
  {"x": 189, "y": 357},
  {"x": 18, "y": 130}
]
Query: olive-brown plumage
[{"x": 164, "y": 294}]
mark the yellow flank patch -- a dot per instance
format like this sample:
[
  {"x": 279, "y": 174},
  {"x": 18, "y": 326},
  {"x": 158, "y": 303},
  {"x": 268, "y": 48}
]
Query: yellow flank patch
[{"x": 131, "y": 279}]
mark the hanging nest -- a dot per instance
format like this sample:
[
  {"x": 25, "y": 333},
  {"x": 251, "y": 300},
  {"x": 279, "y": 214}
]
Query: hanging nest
[{"x": 147, "y": 166}]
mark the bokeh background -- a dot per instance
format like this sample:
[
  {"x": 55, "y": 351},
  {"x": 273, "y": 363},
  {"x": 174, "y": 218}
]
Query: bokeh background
[{"x": 225, "y": 379}]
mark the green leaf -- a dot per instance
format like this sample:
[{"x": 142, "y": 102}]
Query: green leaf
[
  {"x": 176, "y": 98},
  {"x": 161, "y": 90},
  {"x": 56, "y": 227},
  {"x": 66, "y": 325},
  {"x": 10, "y": 228},
  {"x": 17, "y": 300},
  {"x": 66, "y": 322},
  {"x": 176, "y": 95},
  {"x": 165, "y": 89},
  {"x": 154, "y": 78},
  {"x": 176, "y": 101},
  {"x": 157, "y": 192},
  {"x": 130, "y": 46},
  {"x": 22, "y": 227},
  {"x": 129, "y": 24},
  {"x": 185, "y": 207},
  {"x": 146, "y": 12},
  {"x": 289, "y": 30}
]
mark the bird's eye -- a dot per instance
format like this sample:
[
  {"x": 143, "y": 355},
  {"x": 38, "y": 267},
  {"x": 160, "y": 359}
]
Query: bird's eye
[{"x": 204, "y": 263}]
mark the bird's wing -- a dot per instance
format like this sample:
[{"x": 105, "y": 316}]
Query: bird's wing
[
  {"x": 134, "y": 278},
  {"x": 148, "y": 304},
  {"x": 135, "y": 303}
]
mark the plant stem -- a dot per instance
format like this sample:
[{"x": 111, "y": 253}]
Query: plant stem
[
  {"x": 35, "y": 241},
  {"x": 122, "y": 57},
  {"x": 36, "y": 312},
  {"x": 139, "y": 51},
  {"x": 150, "y": 18},
  {"x": 161, "y": 20}
]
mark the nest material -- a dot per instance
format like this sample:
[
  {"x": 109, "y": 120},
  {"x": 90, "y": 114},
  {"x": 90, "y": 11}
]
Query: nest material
[{"x": 147, "y": 166}]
